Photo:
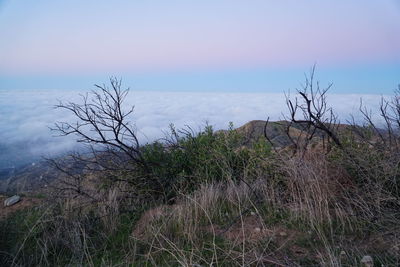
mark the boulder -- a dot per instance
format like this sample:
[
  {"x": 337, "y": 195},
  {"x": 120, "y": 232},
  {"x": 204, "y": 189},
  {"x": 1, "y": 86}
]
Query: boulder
[{"x": 11, "y": 200}]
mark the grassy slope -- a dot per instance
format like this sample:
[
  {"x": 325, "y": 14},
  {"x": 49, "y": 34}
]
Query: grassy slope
[{"x": 229, "y": 200}]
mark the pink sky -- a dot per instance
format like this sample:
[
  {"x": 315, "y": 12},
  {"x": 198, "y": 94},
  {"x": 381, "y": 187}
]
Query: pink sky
[{"x": 53, "y": 37}]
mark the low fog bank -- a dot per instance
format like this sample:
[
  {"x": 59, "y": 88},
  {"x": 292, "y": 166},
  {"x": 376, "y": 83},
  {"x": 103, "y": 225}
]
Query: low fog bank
[{"x": 25, "y": 116}]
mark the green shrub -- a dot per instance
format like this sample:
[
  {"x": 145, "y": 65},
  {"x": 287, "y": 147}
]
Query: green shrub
[{"x": 190, "y": 159}]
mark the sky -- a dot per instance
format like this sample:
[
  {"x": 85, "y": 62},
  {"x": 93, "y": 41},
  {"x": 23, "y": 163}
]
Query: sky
[
  {"x": 187, "y": 62},
  {"x": 203, "y": 46}
]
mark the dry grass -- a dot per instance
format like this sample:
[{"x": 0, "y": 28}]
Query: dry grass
[
  {"x": 315, "y": 190},
  {"x": 310, "y": 211}
]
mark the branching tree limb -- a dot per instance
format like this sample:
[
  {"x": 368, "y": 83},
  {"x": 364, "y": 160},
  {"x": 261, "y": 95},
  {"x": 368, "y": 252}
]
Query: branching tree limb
[
  {"x": 316, "y": 115},
  {"x": 102, "y": 122},
  {"x": 311, "y": 113}
]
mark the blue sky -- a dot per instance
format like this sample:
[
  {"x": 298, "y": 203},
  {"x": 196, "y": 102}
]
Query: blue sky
[{"x": 176, "y": 45}]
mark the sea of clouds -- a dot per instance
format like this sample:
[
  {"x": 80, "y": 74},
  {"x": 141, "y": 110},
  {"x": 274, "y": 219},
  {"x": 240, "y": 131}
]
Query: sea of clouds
[{"x": 25, "y": 116}]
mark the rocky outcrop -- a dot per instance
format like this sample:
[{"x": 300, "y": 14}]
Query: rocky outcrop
[{"x": 11, "y": 200}]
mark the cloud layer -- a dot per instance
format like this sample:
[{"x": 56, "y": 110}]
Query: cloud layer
[{"x": 26, "y": 115}]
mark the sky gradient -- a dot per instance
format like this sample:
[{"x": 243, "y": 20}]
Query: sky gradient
[{"x": 176, "y": 45}]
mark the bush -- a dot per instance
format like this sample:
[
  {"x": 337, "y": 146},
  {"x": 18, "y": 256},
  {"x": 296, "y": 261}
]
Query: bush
[{"x": 190, "y": 159}]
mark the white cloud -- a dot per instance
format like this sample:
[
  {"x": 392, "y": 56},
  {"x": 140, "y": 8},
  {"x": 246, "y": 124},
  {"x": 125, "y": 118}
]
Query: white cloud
[{"x": 26, "y": 115}]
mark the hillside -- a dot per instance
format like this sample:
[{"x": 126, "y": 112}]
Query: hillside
[
  {"x": 221, "y": 198},
  {"x": 35, "y": 176}
]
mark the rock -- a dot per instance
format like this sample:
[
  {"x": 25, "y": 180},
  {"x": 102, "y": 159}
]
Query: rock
[
  {"x": 252, "y": 213},
  {"x": 257, "y": 230},
  {"x": 367, "y": 261},
  {"x": 11, "y": 200}
]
